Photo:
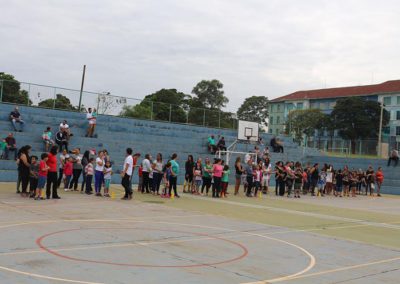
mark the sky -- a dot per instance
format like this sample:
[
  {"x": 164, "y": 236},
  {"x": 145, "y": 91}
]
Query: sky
[{"x": 254, "y": 47}]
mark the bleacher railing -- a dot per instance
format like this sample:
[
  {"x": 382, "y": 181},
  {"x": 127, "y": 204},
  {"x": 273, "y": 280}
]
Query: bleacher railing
[{"x": 37, "y": 95}]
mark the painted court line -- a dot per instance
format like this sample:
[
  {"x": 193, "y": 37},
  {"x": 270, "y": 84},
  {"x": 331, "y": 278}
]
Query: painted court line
[{"x": 296, "y": 212}]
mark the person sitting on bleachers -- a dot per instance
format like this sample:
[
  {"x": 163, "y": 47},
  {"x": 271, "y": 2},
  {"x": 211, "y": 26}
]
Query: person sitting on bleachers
[
  {"x": 221, "y": 144},
  {"x": 11, "y": 146},
  {"x": 61, "y": 140},
  {"x": 394, "y": 156},
  {"x": 64, "y": 127},
  {"x": 211, "y": 144},
  {"x": 276, "y": 145},
  {"x": 15, "y": 118},
  {"x": 46, "y": 137}
]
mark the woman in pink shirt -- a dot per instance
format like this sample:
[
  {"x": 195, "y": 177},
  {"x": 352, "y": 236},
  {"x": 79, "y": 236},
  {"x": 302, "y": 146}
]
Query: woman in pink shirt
[{"x": 217, "y": 171}]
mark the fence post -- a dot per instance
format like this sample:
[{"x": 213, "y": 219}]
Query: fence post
[
  {"x": 204, "y": 117},
  {"x": 170, "y": 112},
  {"x": 54, "y": 98},
  {"x": 219, "y": 119},
  {"x": 98, "y": 101},
  {"x": 187, "y": 117},
  {"x": 1, "y": 91},
  {"x": 29, "y": 93},
  {"x": 151, "y": 114}
]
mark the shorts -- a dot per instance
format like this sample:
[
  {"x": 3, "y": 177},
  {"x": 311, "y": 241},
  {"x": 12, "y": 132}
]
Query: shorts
[
  {"x": 41, "y": 182},
  {"x": 297, "y": 185},
  {"x": 198, "y": 182},
  {"x": 339, "y": 188},
  {"x": 107, "y": 183}
]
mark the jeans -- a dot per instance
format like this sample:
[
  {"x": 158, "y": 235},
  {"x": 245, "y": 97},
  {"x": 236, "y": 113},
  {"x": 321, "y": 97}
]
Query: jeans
[
  {"x": 61, "y": 144},
  {"x": 206, "y": 184},
  {"x": 172, "y": 185},
  {"x": 98, "y": 181},
  {"x": 146, "y": 181},
  {"x": 66, "y": 181},
  {"x": 14, "y": 123},
  {"x": 157, "y": 177},
  {"x": 88, "y": 182},
  {"x": 51, "y": 180},
  {"x": 76, "y": 173},
  {"x": 249, "y": 180},
  {"x": 216, "y": 190},
  {"x": 83, "y": 180},
  {"x": 33, "y": 184},
  {"x": 125, "y": 182},
  {"x": 8, "y": 150},
  {"x": 60, "y": 176}
]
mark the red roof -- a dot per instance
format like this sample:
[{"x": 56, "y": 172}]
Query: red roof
[{"x": 386, "y": 87}]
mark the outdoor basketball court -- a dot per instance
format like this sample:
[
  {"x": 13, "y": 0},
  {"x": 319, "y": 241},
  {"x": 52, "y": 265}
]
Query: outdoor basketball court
[{"x": 86, "y": 239}]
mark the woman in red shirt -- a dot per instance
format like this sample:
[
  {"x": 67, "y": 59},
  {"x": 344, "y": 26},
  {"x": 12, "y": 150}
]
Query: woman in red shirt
[{"x": 52, "y": 174}]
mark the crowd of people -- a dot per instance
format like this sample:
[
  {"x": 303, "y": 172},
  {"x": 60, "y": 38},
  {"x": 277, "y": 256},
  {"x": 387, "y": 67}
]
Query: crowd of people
[{"x": 58, "y": 167}]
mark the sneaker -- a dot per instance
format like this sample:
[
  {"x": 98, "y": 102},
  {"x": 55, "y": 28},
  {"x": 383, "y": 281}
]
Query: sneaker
[
  {"x": 57, "y": 197},
  {"x": 66, "y": 189},
  {"x": 107, "y": 195}
]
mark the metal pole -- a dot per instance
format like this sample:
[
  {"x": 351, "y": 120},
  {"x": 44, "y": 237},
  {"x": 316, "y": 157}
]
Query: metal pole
[
  {"x": 187, "y": 117},
  {"x": 54, "y": 98},
  {"x": 170, "y": 112},
  {"x": 1, "y": 91},
  {"x": 98, "y": 102},
  {"x": 204, "y": 117},
  {"x": 219, "y": 119},
  {"x": 82, "y": 82},
  {"x": 380, "y": 131},
  {"x": 151, "y": 114},
  {"x": 29, "y": 93}
]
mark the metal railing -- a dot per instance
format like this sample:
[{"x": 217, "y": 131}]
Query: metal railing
[{"x": 53, "y": 97}]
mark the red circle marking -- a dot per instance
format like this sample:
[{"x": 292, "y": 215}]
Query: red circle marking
[{"x": 242, "y": 247}]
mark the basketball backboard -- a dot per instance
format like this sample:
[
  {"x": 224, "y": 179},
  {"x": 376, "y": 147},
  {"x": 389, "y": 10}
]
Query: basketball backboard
[{"x": 248, "y": 131}]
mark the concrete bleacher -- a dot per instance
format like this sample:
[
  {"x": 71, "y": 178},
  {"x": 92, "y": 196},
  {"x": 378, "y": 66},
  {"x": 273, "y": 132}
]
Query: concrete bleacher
[{"x": 116, "y": 134}]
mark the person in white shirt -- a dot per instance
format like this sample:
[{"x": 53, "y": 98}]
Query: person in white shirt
[
  {"x": 157, "y": 173},
  {"x": 146, "y": 169},
  {"x": 267, "y": 169},
  {"x": 126, "y": 175},
  {"x": 91, "y": 118},
  {"x": 99, "y": 173},
  {"x": 64, "y": 127}
]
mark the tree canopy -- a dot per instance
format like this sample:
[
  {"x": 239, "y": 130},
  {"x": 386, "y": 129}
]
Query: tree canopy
[
  {"x": 305, "y": 122},
  {"x": 61, "y": 102},
  {"x": 357, "y": 118},
  {"x": 11, "y": 90},
  {"x": 254, "y": 109},
  {"x": 209, "y": 94}
]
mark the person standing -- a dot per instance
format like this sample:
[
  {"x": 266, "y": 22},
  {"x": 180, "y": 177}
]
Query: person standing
[
  {"x": 99, "y": 173},
  {"x": 52, "y": 174},
  {"x": 85, "y": 162},
  {"x": 63, "y": 157},
  {"x": 238, "y": 174},
  {"x": 157, "y": 173},
  {"x": 217, "y": 171},
  {"x": 207, "y": 170},
  {"x": 314, "y": 172},
  {"x": 25, "y": 169},
  {"x": 126, "y": 175},
  {"x": 189, "y": 165},
  {"x": 173, "y": 179},
  {"x": 77, "y": 168},
  {"x": 146, "y": 169},
  {"x": 249, "y": 176},
  {"x": 379, "y": 180}
]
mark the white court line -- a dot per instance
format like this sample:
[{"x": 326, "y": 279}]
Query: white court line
[{"x": 302, "y": 213}]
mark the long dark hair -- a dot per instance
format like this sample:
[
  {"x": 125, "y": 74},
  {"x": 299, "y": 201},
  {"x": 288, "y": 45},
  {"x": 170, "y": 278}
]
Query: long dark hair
[
  {"x": 174, "y": 156},
  {"x": 190, "y": 158},
  {"x": 86, "y": 154},
  {"x": 25, "y": 150},
  {"x": 54, "y": 149}
]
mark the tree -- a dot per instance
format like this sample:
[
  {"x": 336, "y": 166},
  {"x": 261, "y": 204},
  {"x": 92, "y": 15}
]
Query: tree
[
  {"x": 61, "y": 102},
  {"x": 107, "y": 103},
  {"x": 305, "y": 122},
  {"x": 11, "y": 90},
  {"x": 358, "y": 118},
  {"x": 254, "y": 109},
  {"x": 210, "y": 94},
  {"x": 165, "y": 105}
]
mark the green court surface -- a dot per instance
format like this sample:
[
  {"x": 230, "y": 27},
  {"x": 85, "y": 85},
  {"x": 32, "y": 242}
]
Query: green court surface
[{"x": 198, "y": 239}]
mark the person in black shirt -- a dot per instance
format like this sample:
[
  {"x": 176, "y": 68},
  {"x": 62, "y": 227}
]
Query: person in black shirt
[
  {"x": 314, "y": 178},
  {"x": 61, "y": 140},
  {"x": 11, "y": 146},
  {"x": 189, "y": 165},
  {"x": 15, "y": 117}
]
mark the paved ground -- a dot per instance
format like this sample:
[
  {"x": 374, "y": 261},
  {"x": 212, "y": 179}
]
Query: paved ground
[{"x": 84, "y": 239}]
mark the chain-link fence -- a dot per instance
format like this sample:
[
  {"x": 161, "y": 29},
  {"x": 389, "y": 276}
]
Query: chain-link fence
[{"x": 52, "y": 97}]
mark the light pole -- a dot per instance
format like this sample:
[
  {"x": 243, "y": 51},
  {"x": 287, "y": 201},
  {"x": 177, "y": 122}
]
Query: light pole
[
  {"x": 380, "y": 131},
  {"x": 82, "y": 82}
]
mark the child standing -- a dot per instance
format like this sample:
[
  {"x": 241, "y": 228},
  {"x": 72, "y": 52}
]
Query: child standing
[
  {"x": 140, "y": 173},
  {"x": 339, "y": 183},
  {"x": 321, "y": 182},
  {"x": 43, "y": 169},
  {"x": 225, "y": 180},
  {"x": 298, "y": 179},
  {"x": 166, "y": 176},
  {"x": 68, "y": 168},
  {"x": 89, "y": 171},
  {"x": 257, "y": 180},
  {"x": 198, "y": 176},
  {"x": 353, "y": 182},
  {"x": 266, "y": 175},
  {"x": 107, "y": 178},
  {"x": 34, "y": 176}
]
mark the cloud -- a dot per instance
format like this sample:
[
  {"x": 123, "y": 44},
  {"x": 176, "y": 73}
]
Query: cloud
[{"x": 255, "y": 47}]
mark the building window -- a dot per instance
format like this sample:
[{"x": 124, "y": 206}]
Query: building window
[
  {"x": 313, "y": 105},
  {"x": 277, "y": 120},
  {"x": 271, "y": 120},
  {"x": 397, "y": 130},
  {"x": 387, "y": 101},
  {"x": 278, "y": 107},
  {"x": 270, "y": 130},
  {"x": 299, "y": 106},
  {"x": 386, "y": 130},
  {"x": 323, "y": 106},
  {"x": 272, "y": 108},
  {"x": 398, "y": 100},
  {"x": 398, "y": 115}
]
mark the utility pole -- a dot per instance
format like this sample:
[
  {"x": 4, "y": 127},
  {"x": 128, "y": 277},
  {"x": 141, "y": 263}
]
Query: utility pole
[
  {"x": 82, "y": 82},
  {"x": 380, "y": 131}
]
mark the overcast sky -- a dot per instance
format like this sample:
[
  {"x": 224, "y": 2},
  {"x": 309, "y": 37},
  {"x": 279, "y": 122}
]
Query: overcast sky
[{"x": 255, "y": 47}]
